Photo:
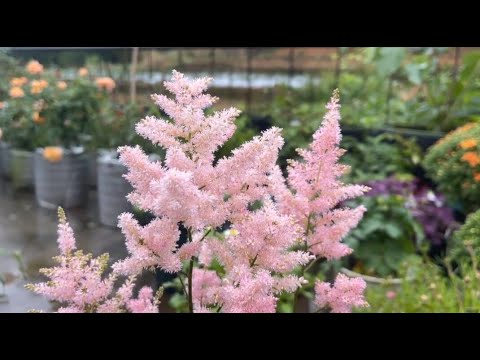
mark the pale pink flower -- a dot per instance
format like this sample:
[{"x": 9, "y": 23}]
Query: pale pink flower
[
  {"x": 342, "y": 296},
  {"x": 66, "y": 239},
  {"x": 391, "y": 295},
  {"x": 206, "y": 286},
  {"x": 144, "y": 303},
  {"x": 149, "y": 246},
  {"x": 296, "y": 221},
  {"x": 245, "y": 291},
  {"x": 318, "y": 190},
  {"x": 78, "y": 281}
]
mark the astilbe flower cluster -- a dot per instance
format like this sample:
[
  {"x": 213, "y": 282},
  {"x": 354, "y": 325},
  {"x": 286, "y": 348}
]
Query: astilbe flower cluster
[
  {"x": 276, "y": 228},
  {"x": 79, "y": 284}
]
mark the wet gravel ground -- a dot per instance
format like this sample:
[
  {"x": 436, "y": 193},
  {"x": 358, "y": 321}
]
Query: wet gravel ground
[{"x": 31, "y": 231}]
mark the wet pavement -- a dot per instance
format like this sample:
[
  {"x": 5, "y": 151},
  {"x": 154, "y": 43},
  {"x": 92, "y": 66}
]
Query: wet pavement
[{"x": 31, "y": 230}]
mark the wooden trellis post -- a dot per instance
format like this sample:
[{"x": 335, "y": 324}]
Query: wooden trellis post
[
  {"x": 212, "y": 61},
  {"x": 291, "y": 64},
  {"x": 249, "y": 78},
  {"x": 456, "y": 64},
  {"x": 338, "y": 66},
  {"x": 451, "y": 96},
  {"x": 133, "y": 75},
  {"x": 180, "y": 59}
]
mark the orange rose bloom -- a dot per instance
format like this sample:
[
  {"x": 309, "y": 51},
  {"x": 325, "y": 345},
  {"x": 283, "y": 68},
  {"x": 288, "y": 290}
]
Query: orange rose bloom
[
  {"x": 467, "y": 144},
  {"x": 472, "y": 158},
  {"x": 53, "y": 153},
  {"x": 20, "y": 81},
  {"x": 37, "y": 119},
  {"x": 38, "y": 86},
  {"x": 16, "y": 92},
  {"x": 34, "y": 67},
  {"x": 62, "y": 85},
  {"x": 105, "y": 83},
  {"x": 476, "y": 176},
  {"x": 83, "y": 71},
  {"x": 2, "y": 105}
]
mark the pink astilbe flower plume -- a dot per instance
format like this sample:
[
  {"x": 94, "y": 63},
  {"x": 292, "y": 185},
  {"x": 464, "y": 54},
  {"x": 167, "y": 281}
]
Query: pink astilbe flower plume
[
  {"x": 317, "y": 190},
  {"x": 79, "y": 284},
  {"x": 278, "y": 228},
  {"x": 342, "y": 296}
]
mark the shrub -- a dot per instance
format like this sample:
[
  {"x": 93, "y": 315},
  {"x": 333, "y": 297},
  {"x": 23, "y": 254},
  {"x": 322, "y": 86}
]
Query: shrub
[
  {"x": 466, "y": 240},
  {"x": 454, "y": 164}
]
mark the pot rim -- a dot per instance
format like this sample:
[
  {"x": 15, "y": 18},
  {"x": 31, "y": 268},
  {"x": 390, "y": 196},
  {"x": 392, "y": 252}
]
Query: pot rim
[
  {"x": 78, "y": 150},
  {"x": 21, "y": 151}
]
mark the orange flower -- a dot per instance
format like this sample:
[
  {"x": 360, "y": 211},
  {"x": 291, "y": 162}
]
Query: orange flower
[
  {"x": 53, "y": 153},
  {"x": 37, "y": 119},
  {"x": 476, "y": 176},
  {"x": 2, "y": 105},
  {"x": 16, "y": 92},
  {"x": 472, "y": 158},
  {"x": 83, "y": 71},
  {"x": 20, "y": 81},
  {"x": 34, "y": 67},
  {"x": 38, "y": 86},
  {"x": 62, "y": 85},
  {"x": 466, "y": 127},
  {"x": 467, "y": 144},
  {"x": 105, "y": 83}
]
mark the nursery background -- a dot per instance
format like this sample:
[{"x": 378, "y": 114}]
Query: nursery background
[{"x": 410, "y": 125}]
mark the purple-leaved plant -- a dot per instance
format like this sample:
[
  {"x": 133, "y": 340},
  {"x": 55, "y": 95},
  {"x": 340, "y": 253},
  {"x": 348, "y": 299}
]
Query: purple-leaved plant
[{"x": 429, "y": 208}]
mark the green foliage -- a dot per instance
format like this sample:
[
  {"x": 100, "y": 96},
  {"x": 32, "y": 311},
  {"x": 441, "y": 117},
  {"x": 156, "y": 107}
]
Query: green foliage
[
  {"x": 387, "y": 234},
  {"x": 8, "y": 68},
  {"x": 378, "y": 157},
  {"x": 389, "y": 60},
  {"x": 23, "y": 118},
  {"x": 454, "y": 164},
  {"x": 426, "y": 289},
  {"x": 178, "y": 301},
  {"x": 76, "y": 115},
  {"x": 56, "y": 112},
  {"x": 393, "y": 86},
  {"x": 466, "y": 240}
]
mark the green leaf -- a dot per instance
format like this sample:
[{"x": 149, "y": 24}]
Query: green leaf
[
  {"x": 389, "y": 60},
  {"x": 470, "y": 62},
  {"x": 393, "y": 230},
  {"x": 371, "y": 225},
  {"x": 413, "y": 73}
]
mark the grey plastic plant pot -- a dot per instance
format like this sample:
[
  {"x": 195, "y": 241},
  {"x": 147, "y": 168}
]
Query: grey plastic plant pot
[
  {"x": 62, "y": 183},
  {"x": 4, "y": 160},
  {"x": 21, "y": 169},
  {"x": 112, "y": 188},
  {"x": 92, "y": 169},
  {"x": 92, "y": 166}
]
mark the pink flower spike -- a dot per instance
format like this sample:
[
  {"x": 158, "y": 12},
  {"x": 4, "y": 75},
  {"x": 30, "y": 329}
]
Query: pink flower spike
[{"x": 342, "y": 296}]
